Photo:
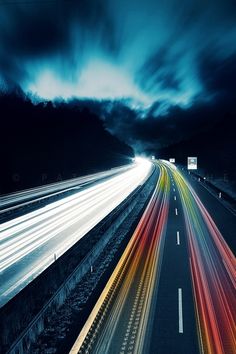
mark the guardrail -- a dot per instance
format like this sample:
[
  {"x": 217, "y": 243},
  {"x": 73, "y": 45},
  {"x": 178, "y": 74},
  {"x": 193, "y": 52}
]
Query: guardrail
[{"x": 224, "y": 196}]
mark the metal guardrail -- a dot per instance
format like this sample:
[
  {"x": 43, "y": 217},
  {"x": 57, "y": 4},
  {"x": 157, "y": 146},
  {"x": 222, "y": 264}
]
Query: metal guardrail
[{"x": 224, "y": 196}]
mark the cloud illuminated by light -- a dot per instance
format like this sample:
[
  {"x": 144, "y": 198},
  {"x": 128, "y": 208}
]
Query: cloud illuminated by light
[
  {"x": 98, "y": 80},
  {"x": 101, "y": 80},
  {"x": 149, "y": 54}
]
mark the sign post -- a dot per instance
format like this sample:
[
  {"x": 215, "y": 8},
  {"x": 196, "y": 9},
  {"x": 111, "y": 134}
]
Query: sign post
[{"x": 192, "y": 163}]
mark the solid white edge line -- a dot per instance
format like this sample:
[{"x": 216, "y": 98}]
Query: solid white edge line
[{"x": 180, "y": 303}]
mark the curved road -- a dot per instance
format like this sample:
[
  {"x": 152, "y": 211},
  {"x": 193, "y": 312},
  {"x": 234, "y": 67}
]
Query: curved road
[{"x": 173, "y": 290}]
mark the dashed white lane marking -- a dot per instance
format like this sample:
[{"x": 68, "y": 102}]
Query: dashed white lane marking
[
  {"x": 176, "y": 211},
  {"x": 180, "y": 303},
  {"x": 175, "y": 197},
  {"x": 177, "y": 238}
]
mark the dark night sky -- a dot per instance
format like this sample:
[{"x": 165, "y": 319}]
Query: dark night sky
[{"x": 156, "y": 71}]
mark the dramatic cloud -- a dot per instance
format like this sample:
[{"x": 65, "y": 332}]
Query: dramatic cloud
[
  {"x": 149, "y": 65},
  {"x": 143, "y": 50}
]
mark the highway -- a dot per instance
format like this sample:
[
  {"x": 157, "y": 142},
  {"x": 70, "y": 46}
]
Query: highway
[
  {"x": 173, "y": 290},
  {"x": 31, "y": 242},
  {"x": 213, "y": 270}
]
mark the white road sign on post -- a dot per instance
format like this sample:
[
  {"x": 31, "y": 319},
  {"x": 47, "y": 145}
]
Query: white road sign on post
[{"x": 192, "y": 163}]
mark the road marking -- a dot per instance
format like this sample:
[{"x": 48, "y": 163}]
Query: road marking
[
  {"x": 181, "y": 327},
  {"x": 175, "y": 197},
  {"x": 176, "y": 211},
  {"x": 177, "y": 237},
  {"x": 174, "y": 189}
]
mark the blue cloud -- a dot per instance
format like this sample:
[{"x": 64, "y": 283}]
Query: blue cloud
[{"x": 147, "y": 54}]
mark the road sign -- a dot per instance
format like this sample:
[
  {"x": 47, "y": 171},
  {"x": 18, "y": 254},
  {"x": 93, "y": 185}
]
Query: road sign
[
  {"x": 153, "y": 157},
  {"x": 172, "y": 160},
  {"x": 192, "y": 163}
]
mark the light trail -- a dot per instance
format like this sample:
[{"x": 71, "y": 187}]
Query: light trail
[
  {"x": 213, "y": 269},
  {"x": 28, "y": 243},
  {"x": 120, "y": 320},
  {"x": 12, "y": 201}
]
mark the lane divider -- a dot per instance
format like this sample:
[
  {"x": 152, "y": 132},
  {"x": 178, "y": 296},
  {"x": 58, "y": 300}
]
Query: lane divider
[
  {"x": 177, "y": 238},
  {"x": 180, "y": 307}
]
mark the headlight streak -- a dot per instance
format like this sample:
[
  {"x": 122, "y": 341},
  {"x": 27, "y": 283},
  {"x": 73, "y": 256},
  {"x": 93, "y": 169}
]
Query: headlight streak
[
  {"x": 29, "y": 242},
  {"x": 213, "y": 265},
  {"x": 13, "y": 200},
  {"x": 213, "y": 269},
  {"x": 120, "y": 318},
  {"x": 63, "y": 203},
  {"x": 52, "y": 226}
]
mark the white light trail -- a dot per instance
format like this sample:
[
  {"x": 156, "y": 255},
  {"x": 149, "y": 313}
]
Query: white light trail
[{"x": 29, "y": 241}]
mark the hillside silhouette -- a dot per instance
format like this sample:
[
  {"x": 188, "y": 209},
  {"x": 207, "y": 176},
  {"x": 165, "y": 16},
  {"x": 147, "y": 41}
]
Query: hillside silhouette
[{"x": 45, "y": 143}]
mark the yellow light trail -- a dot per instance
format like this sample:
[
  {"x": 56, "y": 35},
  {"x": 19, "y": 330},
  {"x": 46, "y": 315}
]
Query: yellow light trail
[
  {"x": 213, "y": 269},
  {"x": 121, "y": 321},
  {"x": 123, "y": 309}
]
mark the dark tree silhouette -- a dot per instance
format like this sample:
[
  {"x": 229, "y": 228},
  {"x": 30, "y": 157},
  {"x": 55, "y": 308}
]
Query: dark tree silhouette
[{"x": 44, "y": 143}]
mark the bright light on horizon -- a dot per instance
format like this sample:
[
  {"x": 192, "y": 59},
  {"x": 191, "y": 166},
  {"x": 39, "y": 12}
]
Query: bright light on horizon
[{"x": 142, "y": 161}]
